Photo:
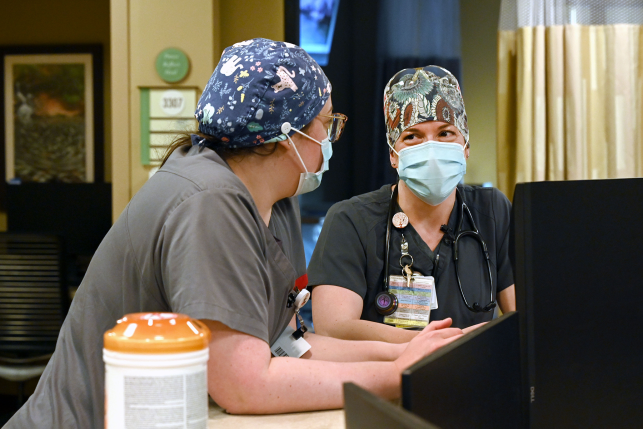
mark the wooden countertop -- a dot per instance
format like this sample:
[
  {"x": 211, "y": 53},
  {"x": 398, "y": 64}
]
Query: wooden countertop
[{"x": 332, "y": 419}]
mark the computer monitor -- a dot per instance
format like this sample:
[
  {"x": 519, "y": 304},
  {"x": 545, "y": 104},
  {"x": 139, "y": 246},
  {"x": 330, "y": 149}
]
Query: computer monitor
[
  {"x": 579, "y": 292},
  {"x": 473, "y": 382},
  {"x": 364, "y": 410},
  {"x": 316, "y": 27}
]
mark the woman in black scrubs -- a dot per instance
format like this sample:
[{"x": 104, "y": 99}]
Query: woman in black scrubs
[{"x": 424, "y": 216}]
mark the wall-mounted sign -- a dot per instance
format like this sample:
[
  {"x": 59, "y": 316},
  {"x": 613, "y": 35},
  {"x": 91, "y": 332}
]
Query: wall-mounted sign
[
  {"x": 164, "y": 114},
  {"x": 172, "y": 65},
  {"x": 172, "y": 102}
]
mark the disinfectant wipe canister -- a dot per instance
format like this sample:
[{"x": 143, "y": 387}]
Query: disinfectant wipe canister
[{"x": 156, "y": 372}]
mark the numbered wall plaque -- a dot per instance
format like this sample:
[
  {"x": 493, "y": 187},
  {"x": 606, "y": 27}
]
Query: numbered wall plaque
[{"x": 165, "y": 112}]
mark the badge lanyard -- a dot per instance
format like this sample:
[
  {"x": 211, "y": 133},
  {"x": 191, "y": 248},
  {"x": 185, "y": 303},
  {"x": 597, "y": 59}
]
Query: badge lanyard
[
  {"x": 298, "y": 300},
  {"x": 291, "y": 343},
  {"x": 408, "y": 299},
  {"x": 385, "y": 301}
]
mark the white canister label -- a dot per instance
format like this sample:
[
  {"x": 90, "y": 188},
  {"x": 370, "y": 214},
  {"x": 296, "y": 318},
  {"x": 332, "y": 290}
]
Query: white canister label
[{"x": 142, "y": 398}]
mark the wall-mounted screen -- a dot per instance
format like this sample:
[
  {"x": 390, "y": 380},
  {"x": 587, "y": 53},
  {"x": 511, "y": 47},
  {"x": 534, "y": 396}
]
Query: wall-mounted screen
[{"x": 316, "y": 27}]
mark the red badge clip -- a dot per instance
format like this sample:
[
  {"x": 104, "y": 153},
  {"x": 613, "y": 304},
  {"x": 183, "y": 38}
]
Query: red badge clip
[{"x": 301, "y": 282}]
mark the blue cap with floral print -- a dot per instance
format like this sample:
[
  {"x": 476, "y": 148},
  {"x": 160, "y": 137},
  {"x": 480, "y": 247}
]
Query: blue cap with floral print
[{"x": 257, "y": 86}]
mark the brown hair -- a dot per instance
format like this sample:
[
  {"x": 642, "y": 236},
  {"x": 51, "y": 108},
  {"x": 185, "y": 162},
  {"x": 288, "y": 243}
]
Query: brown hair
[{"x": 184, "y": 140}]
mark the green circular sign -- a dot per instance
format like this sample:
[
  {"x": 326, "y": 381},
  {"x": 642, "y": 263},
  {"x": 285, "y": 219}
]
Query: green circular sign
[{"x": 172, "y": 65}]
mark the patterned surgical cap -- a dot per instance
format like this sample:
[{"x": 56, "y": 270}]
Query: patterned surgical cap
[
  {"x": 257, "y": 86},
  {"x": 424, "y": 94}
]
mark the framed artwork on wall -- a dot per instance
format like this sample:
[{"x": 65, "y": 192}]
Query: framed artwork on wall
[{"x": 52, "y": 114}]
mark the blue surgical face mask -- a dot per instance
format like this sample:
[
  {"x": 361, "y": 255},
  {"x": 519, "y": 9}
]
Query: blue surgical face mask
[
  {"x": 310, "y": 181},
  {"x": 432, "y": 170}
]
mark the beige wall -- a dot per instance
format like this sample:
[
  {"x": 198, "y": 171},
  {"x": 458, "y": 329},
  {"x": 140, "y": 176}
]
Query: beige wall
[
  {"x": 46, "y": 22},
  {"x": 479, "y": 26},
  {"x": 153, "y": 26},
  {"x": 140, "y": 29},
  {"x": 247, "y": 19}
]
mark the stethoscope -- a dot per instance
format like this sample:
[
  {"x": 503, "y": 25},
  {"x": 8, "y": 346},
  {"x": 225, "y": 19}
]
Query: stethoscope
[{"x": 386, "y": 302}]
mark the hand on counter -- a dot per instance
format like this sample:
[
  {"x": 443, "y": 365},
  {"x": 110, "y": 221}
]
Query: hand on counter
[{"x": 435, "y": 335}]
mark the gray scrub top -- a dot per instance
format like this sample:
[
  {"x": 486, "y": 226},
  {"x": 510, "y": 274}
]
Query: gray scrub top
[
  {"x": 350, "y": 253},
  {"x": 190, "y": 241}
]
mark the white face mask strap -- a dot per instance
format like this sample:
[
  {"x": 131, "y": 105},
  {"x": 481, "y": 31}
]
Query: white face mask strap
[
  {"x": 306, "y": 135},
  {"x": 297, "y": 152},
  {"x": 388, "y": 142}
]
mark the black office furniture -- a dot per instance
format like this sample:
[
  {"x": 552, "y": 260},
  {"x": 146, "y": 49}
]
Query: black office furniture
[
  {"x": 81, "y": 213},
  {"x": 473, "y": 382},
  {"x": 364, "y": 410},
  {"x": 579, "y": 290},
  {"x": 33, "y": 303}
]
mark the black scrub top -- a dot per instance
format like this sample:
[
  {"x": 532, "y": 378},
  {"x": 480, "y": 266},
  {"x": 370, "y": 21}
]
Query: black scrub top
[{"x": 350, "y": 252}]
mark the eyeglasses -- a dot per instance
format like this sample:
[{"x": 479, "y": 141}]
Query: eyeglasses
[{"x": 337, "y": 126}]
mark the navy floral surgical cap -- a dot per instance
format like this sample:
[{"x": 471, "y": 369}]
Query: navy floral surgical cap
[
  {"x": 257, "y": 86},
  {"x": 424, "y": 94}
]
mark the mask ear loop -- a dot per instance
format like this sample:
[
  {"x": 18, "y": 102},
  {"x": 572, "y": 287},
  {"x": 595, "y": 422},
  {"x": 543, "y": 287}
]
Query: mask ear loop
[
  {"x": 388, "y": 142},
  {"x": 297, "y": 152},
  {"x": 286, "y": 128}
]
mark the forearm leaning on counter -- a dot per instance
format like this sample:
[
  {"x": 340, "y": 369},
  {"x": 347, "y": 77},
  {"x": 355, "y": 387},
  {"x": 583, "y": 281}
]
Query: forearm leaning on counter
[
  {"x": 337, "y": 312},
  {"x": 244, "y": 379},
  {"x": 337, "y": 350}
]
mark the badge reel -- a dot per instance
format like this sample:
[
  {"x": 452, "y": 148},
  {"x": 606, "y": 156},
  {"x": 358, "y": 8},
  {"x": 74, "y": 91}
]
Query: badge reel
[
  {"x": 298, "y": 301},
  {"x": 291, "y": 343}
]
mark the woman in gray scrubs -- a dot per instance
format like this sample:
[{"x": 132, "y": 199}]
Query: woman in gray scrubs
[
  {"x": 425, "y": 212},
  {"x": 216, "y": 234}
]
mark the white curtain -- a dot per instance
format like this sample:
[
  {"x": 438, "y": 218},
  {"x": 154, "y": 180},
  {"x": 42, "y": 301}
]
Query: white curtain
[
  {"x": 530, "y": 13},
  {"x": 570, "y": 87}
]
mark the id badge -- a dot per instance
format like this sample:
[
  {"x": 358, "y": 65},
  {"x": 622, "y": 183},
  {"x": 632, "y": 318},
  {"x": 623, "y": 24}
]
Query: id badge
[
  {"x": 414, "y": 302},
  {"x": 287, "y": 346}
]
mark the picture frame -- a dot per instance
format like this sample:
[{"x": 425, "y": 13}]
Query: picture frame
[{"x": 51, "y": 114}]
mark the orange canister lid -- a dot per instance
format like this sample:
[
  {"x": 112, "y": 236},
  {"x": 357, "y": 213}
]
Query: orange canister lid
[{"x": 152, "y": 333}]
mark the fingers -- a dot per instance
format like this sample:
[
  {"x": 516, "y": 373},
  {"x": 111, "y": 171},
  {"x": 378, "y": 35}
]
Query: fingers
[
  {"x": 437, "y": 344},
  {"x": 438, "y": 334},
  {"x": 423, "y": 345},
  {"x": 433, "y": 337},
  {"x": 438, "y": 324},
  {"x": 473, "y": 328},
  {"x": 425, "y": 350},
  {"x": 443, "y": 342},
  {"x": 445, "y": 323}
]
